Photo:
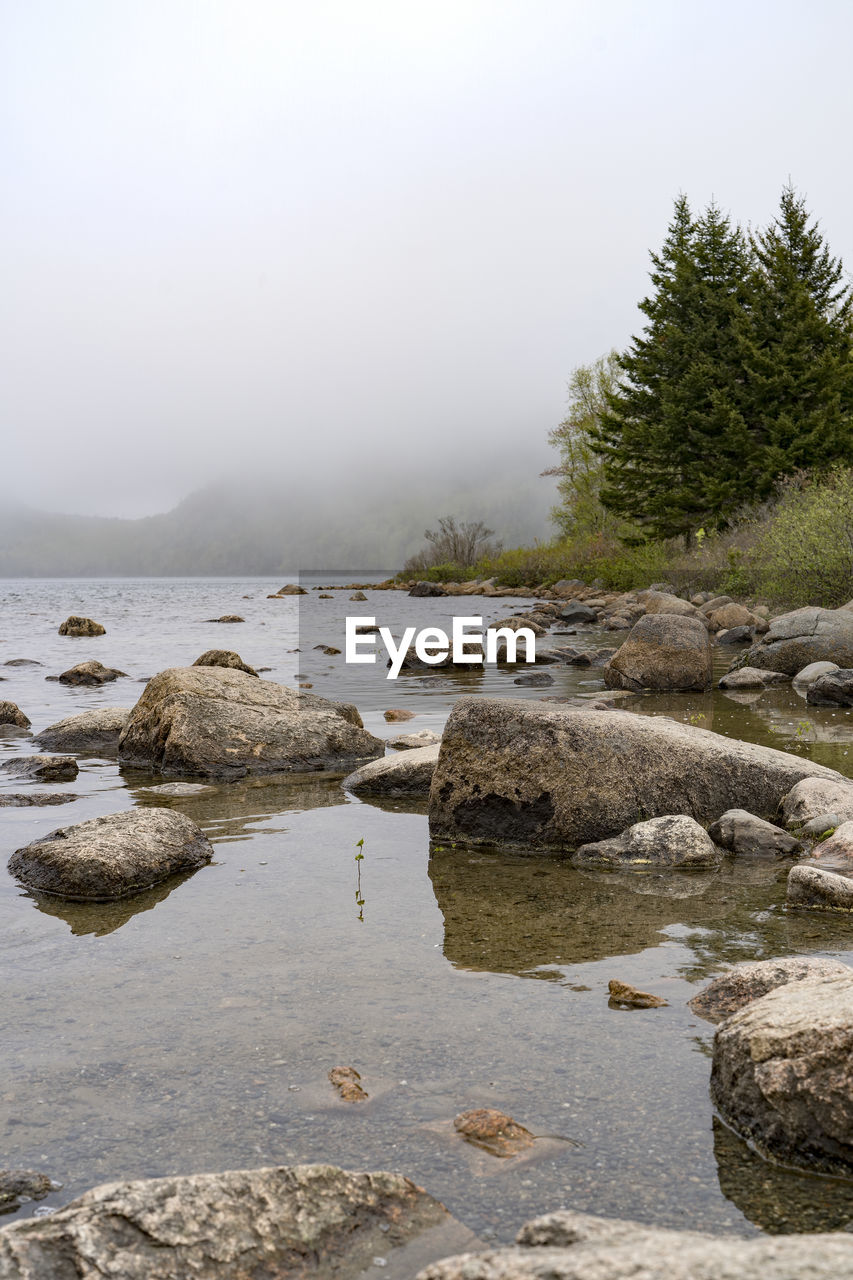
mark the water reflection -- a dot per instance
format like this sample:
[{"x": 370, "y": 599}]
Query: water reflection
[{"x": 101, "y": 918}]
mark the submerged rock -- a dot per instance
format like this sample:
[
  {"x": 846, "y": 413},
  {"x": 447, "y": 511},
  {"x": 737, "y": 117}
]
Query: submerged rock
[
  {"x": 663, "y": 651},
  {"x": 90, "y": 673},
  {"x": 347, "y": 1082},
  {"x": 91, "y": 733},
  {"x": 395, "y": 714},
  {"x": 227, "y": 617},
  {"x": 267, "y": 1224},
  {"x": 407, "y": 774},
  {"x": 113, "y": 856},
  {"x": 11, "y": 713},
  {"x": 549, "y": 777},
  {"x": 624, "y": 996},
  {"x": 748, "y": 836},
  {"x": 225, "y": 724},
  {"x": 224, "y": 658},
  {"x": 26, "y": 1184},
  {"x": 34, "y": 799},
  {"x": 747, "y": 982},
  {"x": 782, "y": 1074},
  {"x": 77, "y": 626},
  {"x": 289, "y": 589},
  {"x": 44, "y": 768},
  {"x": 493, "y": 1131},
  {"x": 670, "y": 841}
]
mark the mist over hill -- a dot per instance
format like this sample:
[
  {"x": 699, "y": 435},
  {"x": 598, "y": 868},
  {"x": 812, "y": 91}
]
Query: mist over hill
[{"x": 275, "y": 526}]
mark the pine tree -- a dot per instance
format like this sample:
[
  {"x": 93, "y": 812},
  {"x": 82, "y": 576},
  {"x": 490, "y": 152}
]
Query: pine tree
[{"x": 796, "y": 348}]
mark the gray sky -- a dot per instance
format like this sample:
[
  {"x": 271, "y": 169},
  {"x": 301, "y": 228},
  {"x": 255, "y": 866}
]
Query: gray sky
[{"x": 247, "y": 234}]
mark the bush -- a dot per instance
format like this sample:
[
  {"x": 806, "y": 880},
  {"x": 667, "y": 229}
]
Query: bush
[{"x": 804, "y": 553}]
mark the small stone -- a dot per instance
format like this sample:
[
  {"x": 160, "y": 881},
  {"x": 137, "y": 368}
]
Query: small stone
[
  {"x": 11, "y": 713},
  {"x": 493, "y": 1131},
  {"x": 358, "y": 596},
  {"x": 534, "y": 679},
  {"x": 346, "y": 1081},
  {"x": 624, "y": 996},
  {"x": 227, "y": 617},
  {"x": 90, "y": 673},
  {"x": 395, "y": 714},
  {"x": 224, "y": 658},
  {"x": 44, "y": 768},
  {"x": 411, "y": 741},
  {"x": 26, "y": 1183},
  {"x": 77, "y": 626},
  {"x": 34, "y": 799}
]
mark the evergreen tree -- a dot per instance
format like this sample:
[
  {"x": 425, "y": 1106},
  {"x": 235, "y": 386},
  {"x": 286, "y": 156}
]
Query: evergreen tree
[{"x": 796, "y": 348}]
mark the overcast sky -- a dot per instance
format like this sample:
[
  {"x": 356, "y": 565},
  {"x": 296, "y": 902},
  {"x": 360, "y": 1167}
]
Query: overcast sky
[{"x": 261, "y": 234}]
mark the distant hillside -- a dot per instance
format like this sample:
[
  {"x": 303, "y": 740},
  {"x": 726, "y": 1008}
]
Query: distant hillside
[{"x": 271, "y": 528}]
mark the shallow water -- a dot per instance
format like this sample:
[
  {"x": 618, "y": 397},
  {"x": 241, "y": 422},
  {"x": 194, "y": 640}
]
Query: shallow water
[{"x": 192, "y": 1028}]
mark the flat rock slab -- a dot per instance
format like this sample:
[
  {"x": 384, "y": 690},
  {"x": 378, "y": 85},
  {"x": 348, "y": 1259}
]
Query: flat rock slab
[
  {"x": 578, "y": 1246},
  {"x": 112, "y": 857},
  {"x": 548, "y": 777},
  {"x": 748, "y": 982},
  {"x": 407, "y": 774},
  {"x": 782, "y": 1074},
  {"x": 91, "y": 733},
  {"x": 411, "y": 741},
  {"x": 44, "y": 768},
  {"x": 267, "y": 1224},
  {"x": 223, "y": 723}
]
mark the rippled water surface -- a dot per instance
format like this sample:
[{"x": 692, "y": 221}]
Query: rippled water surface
[{"x": 192, "y": 1028}]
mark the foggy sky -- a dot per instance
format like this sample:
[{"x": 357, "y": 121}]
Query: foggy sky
[{"x": 339, "y": 236}]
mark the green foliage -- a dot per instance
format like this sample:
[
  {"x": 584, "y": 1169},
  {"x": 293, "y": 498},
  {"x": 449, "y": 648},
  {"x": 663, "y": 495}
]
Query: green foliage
[{"x": 803, "y": 553}]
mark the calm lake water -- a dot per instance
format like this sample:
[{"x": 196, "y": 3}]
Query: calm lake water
[{"x": 192, "y": 1028}]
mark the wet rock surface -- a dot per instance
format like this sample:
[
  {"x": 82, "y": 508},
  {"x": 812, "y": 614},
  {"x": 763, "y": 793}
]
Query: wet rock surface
[
  {"x": 11, "y": 713},
  {"x": 835, "y": 689},
  {"x": 493, "y": 1131},
  {"x": 814, "y": 887},
  {"x": 113, "y": 856},
  {"x": 91, "y": 733},
  {"x": 90, "y": 673},
  {"x": 26, "y": 1184},
  {"x": 34, "y": 799},
  {"x": 407, "y": 774},
  {"x": 673, "y": 840},
  {"x": 223, "y": 723},
  {"x": 224, "y": 658},
  {"x": 747, "y": 982},
  {"x": 75, "y": 625},
  {"x": 42, "y": 768},
  {"x": 347, "y": 1081},
  {"x": 267, "y": 1224},
  {"x": 747, "y": 836},
  {"x": 624, "y": 996},
  {"x": 782, "y": 1073},
  {"x": 539, "y": 776}
]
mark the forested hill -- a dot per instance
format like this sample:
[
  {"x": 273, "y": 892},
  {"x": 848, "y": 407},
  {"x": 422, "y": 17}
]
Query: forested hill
[{"x": 271, "y": 529}]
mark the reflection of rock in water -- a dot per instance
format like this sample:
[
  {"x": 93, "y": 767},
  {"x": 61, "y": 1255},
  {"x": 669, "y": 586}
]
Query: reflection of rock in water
[
  {"x": 104, "y": 917},
  {"x": 775, "y": 1199},
  {"x": 230, "y": 810},
  {"x": 520, "y": 914}
]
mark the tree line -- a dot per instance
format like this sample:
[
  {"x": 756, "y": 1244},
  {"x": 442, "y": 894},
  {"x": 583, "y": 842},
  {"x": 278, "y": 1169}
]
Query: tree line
[{"x": 742, "y": 375}]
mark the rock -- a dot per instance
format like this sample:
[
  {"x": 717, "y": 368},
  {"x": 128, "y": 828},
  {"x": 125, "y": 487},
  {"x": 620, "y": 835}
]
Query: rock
[
  {"x": 407, "y": 774},
  {"x": 44, "y": 768},
  {"x": 663, "y": 652},
  {"x": 735, "y": 635},
  {"x": 835, "y": 689},
  {"x": 91, "y": 733},
  {"x": 516, "y": 622},
  {"x": 811, "y": 797},
  {"x": 624, "y": 996},
  {"x": 714, "y": 603},
  {"x": 820, "y": 825},
  {"x": 410, "y": 741},
  {"x": 267, "y": 1224},
  {"x": 428, "y": 589},
  {"x": 178, "y": 789},
  {"x": 663, "y": 602},
  {"x": 224, "y": 658},
  {"x": 227, "y": 617},
  {"x": 728, "y": 616},
  {"x": 670, "y": 841},
  {"x": 395, "y": 714},
  {"x": 808, "y": 635},
  {"x": 329, "y": 649},
  {"x": 813, "y": 671},
  {"x": 326, "y": 595},
  {"x": 111, "y": 857},
  {"x": 289, "y": 589},
  {"x": 782, "y": 1074},
  {"x": 359, "y": 596},
  {"x": 747, "y": 982},
  {"x": 543, "y": 776},
  {"x": 748, "y": 836},
  {"x": 813, "y": 887},
  {"x": 21, "y": 662},
  {"x": 567, "y": 586},
  {"x": 835, "y": 853},
  {"x": 575, "y": 611},
  {"x": 34, "y": 799},
  {"x": 26, "y": 1184},
  {"x": 90, "y": 673},
  {"x": 222, "y": 723},
  {"x": 346, "y": 1081},
  {"x": 533, "y": 679},
  {"x": 11, "y": 713},
  {"x": 750, "y": 678},
  {"x": 77, "y": 626},
  {"x": 577, "y": 1246},
  {"x": 493, "y": 1131}
]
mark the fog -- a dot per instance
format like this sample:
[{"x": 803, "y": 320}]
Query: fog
[{"x": 268, "y": 238}]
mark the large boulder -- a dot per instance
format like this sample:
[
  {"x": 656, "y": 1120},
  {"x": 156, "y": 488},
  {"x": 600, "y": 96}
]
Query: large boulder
[
  {"x": 544, "y": 776},
  {"x": 808, "y": 635},
  {"x": 407, "y": 774},
  {"x": 225, "y": 724},
  {"x": 782, "y": 1074},
  {"x": 671, "y": 841},
  {"x": 91, "y": 733},
  {"x": 267, "y": 1224},
  {"x": 11, "y": 713},
  {"x": 111, "y": 857},
  {"x": 665, "y": 602},
  {"x": 834, "y": 689},
  {"x": 812, "y": 797},
  {"x": 77, "y": 626},
  {"x": 662, "y": 651},
  {"x": 90, "y": 673},
  {"x": 577, "y": 1246},
  {"x": 747, "y": 982}
]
